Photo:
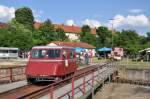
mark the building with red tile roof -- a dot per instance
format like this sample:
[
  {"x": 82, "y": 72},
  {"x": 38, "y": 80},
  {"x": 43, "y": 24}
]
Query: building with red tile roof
[
  {"x": 72, "y": 32},
  {"x": 67, "y": 29},
  {"x": 3, "y": 25},
  {"x": 72, "y": 44}
]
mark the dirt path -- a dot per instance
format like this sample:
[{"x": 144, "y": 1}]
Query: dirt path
[{"x": 123, "y": 91}]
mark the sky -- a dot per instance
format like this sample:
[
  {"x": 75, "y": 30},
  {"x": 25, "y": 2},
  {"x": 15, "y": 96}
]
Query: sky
[{"x": 122, "y": 14}]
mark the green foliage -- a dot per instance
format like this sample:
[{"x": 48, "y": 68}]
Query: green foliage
[
  {"x": 4, "y": 35},
  {"x": 129, "y": 40},
  {"x": 104, "y": 36},
  {"x": 47, "y": 32},
  {"x": 16, "y": 35},
  {"x": 20, "y": 33},
  {"x": 60, "y": 35},
  {"x": 148, "y": 36},
  {"x": 85, "y": 30},
  {"x": 86, "y": 35},
  {"x": 24, "y": 16},
  {"x": 146, "y": 45}
]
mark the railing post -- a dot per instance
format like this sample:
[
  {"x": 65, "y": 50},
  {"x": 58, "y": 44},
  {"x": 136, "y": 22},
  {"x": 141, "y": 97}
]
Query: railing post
[
  {"x": 92, "y": 84},
  {"x": 84, "y": 85},
  {"x": 51, "y": 92},
  {"x": 72, "y": 88},
  {"x": 11, "y": 74}
]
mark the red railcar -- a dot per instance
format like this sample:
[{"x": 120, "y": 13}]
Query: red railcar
[{"x": 50, "y": 63}]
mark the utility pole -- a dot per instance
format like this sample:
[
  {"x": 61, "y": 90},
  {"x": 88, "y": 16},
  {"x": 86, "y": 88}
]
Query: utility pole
[{"x": 112, "y": 29}]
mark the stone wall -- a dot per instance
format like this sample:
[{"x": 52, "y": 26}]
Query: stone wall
[{"x": 134, "y": 74}]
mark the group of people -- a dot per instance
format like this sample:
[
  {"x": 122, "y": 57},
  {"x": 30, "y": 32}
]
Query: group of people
[
  {"x": 86, "y": 57},
  {"x": 23, "y": 54}
]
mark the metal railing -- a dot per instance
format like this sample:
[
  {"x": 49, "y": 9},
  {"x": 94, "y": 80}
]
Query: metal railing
[
  {"x": 81, "y": 88},
  {"x": 99, "y": 73}
]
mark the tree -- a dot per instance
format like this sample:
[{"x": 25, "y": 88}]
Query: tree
[
  {"x": 116, "y": 39},
  {"x": 19, "y": 36},
  {"x": 85, "y": 30},
  {"x": 4, "y": 36},
  {"x": 148, "y": 36},
  {"x": 146, "y": 45},
  {"x": 104, "y": 36},
  {"x": 24, "y": 16},
  {"x": 45, "y": 34},
  {"x": 60, "y": 35},
  {"x": 130, "y": 41},
  {"x": 86, "y": 35}
]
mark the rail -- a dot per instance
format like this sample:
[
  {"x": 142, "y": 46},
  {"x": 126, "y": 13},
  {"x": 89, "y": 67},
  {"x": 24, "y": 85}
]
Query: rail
[
  {"x": 10, "y": 74},
  {"x": 77, "y": 76}
]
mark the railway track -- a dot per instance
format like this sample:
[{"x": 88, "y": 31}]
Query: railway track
[
  {"x": 14, "y": 93},
  {"x": 34, "y": 91}
]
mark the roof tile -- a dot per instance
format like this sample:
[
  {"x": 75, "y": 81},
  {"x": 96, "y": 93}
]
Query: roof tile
[
  {"x": 67, "y": 29},
  {"x": 74, "y": 44}
]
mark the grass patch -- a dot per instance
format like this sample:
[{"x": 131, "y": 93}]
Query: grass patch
[
  {"x": 96, "y": 60},
  {"x": 129, "y": 64}
]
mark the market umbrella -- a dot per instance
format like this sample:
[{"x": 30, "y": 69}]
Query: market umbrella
[
  {"x": 104, "y": 49},
  {"x": 79, "y": 49}
]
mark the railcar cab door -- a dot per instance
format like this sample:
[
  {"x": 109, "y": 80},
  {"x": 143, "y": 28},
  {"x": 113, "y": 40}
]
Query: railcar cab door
[
  {"x": 69, "y": 60},
  {"x": 65, "y": 58}
]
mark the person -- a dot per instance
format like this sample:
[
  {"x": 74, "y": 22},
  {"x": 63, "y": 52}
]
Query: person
[
  {"x": 90, "y": 56},
  {"x": 81, "y": 57},
  {"x": 86, "y": 58},
  {"x": 29, "y": 53}
]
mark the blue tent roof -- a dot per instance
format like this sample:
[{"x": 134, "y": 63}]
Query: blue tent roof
[
  {"x": 79, "y": 49},
  {"x": 104, "y": 49}
]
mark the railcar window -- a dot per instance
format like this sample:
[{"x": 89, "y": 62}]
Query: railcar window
[
  {"x": 13, "y": 51},
  {"x": 3, "y": 51},
  {"x": 71, "y": 55},
  {"x": 38, "y": 53},
  {"x": 53, "y": 53}
]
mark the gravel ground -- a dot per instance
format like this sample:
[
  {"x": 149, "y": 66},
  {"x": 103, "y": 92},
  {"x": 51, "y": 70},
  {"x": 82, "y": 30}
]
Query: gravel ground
[
  {"x": 123, "y": 91},
  {"x": 13, "y": 85}
]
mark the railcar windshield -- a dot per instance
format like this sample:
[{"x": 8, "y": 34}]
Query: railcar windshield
[
  {"x": 39, "y": 53},
  {"x": 42, "y": 53},
  {"x": 53, "y": 53}
]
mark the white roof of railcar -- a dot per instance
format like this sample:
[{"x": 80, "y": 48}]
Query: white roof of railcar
[
  {"x": 51, "y": 47},
  {"x": 9, "y": 48}
]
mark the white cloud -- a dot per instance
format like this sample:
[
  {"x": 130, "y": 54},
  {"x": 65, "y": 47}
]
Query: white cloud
[
  {"x": 92, "y": 23},
  {"x": 136, "y": 11},
  {"x": 117, "y": 21},
  {"x": 139, "y": 20},
  {"x": 6, "y": 13},
  {"x": 37, "y": 15},
  {"x": 70, "y": 22},
  {"x": 131, "y": 20}
]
